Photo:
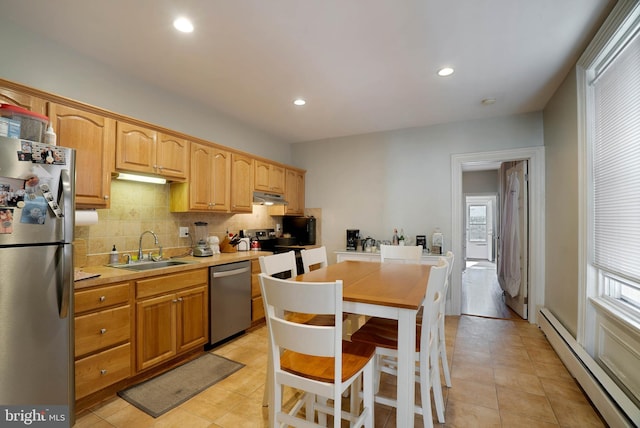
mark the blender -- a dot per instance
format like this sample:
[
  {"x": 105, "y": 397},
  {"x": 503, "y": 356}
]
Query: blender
[{"x": 202, "y": 248}]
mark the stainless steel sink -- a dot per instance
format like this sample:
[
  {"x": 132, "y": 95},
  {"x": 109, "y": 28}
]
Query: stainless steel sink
[{"x": 150, "y": 265}]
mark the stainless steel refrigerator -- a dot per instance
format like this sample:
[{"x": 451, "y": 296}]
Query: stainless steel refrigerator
[{"x": 36, "y": 283}]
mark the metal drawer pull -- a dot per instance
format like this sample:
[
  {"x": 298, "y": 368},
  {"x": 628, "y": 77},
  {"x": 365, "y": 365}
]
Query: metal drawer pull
[
  {"x": 103, "y": 372},
  {"x": 103, "y": 298},
  {"x": 103, "y": 330}
]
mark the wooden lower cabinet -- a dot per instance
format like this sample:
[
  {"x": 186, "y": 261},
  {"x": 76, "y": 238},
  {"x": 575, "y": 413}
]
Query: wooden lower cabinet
[
  {"x": 103, "y": 332},
  {"x": 171, "y": 316},
  {"x": 257, "y": 306},
  {"x": 100, "y": 370}
]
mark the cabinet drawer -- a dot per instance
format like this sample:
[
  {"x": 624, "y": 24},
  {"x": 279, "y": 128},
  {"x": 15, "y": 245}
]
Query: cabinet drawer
[
  {"x": 257, "y": 309},
  {"x": 103, "y": 297},
  {"x": 170, "y": 283},
  {"x": 101, "y": 370},
  {"x": 102, "y": 329}
]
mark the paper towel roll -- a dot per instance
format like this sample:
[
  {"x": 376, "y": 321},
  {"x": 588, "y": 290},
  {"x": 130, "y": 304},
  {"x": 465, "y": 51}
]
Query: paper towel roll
[{"x": 86, "y": 217}]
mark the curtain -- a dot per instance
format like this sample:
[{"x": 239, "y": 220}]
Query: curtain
[{"x": 509, "y": 262}]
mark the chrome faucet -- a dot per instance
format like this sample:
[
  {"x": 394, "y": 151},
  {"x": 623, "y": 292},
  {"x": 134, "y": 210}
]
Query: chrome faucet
[{"x": 155, "y": 237}]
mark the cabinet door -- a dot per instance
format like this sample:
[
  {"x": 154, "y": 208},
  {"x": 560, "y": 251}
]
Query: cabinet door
[
  {"x": 93, "y": 137},
  {"x": 221, "y": 180},
  {"x": 193, "y": 318},
  {"x": 10, "y": 96},
  {"x": 155, "y": 330},
  {"x": 200, "y": 182},
  {"x": 294, "y": 192},
  {"x": 241, "y": 183},
  {"x": 261, "y": 176},
  {"x": 276, "y": 179},
  {"x": 268, "y": 177},
  {"x": 172, "y": 156},
  {"x": 135, "y": 148}
]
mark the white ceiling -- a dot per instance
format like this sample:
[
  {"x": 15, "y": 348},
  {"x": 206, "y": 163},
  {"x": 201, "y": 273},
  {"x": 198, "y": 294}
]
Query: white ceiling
[{"x": 362, "y": 65}]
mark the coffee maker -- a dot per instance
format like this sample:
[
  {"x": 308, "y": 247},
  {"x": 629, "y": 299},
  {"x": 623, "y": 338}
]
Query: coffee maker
[{"x": 353, "y": 236}]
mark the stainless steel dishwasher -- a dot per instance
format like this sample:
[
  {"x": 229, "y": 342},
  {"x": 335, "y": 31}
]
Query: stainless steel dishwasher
[{"x": 229, "y": 300}]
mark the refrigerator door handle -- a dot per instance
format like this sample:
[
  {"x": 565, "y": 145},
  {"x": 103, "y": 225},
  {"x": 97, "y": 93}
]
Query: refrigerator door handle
[
  {"x": 66, "y": 200},
  {"x": 67, "y": 279}
]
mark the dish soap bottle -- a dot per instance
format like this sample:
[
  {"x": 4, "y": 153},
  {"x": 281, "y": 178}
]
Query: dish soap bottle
[
  {"x": 50, "y": 136},
  {"x": 394, "y": 240},
  {"x": 113, "y": 258}
]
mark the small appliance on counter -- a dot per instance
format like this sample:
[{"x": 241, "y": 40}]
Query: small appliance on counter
[
  {"x": 353, "y": 236},
  {"x": 422, "y": 240},
  {"x": 302, "y": 229},
  {"x": 261, "y": 239},
  {"x": 202, "y": 248}
]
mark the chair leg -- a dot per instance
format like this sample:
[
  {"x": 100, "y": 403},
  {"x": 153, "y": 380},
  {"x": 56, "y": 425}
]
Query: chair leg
[
  {"x": 436, "y": 387},
  {"x": 367, "y": 393},
  {"x": 442, "y": 345},
  {"x": 425, "y": 396}
]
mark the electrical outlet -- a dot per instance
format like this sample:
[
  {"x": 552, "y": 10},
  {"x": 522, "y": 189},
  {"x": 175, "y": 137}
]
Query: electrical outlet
[{"x": 184, "y": 232}]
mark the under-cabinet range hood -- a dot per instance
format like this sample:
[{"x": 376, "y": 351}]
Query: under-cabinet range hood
[{"x": 264, "y": 198}]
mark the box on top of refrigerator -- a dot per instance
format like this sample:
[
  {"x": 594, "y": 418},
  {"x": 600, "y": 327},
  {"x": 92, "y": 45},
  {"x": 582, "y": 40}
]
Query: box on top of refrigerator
[{"x": 32, "y": 125}]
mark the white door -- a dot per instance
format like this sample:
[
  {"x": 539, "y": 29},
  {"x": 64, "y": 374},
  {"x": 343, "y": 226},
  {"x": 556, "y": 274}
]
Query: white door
[
  {"x": 513, "y": 264},
  {"x": 479, "y": 228}
]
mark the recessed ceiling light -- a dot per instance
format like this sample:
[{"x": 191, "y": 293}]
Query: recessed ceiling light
[
  {"x": 445, "y": 71},
  {"x": 299, "y": 102},
  {"x": 183, "y": 24},
  {"x": 488, "y": 101}
]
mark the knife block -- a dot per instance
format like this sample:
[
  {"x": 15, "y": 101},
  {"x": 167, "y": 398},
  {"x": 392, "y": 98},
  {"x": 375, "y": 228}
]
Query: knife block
[{"x": 226, "y": 247}]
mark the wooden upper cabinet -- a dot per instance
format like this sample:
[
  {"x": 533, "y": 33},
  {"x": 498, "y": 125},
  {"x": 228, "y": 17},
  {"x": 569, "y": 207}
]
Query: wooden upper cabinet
[
  {"x": 135, "y": 148},
  {"x": 16, "y": 98},
  {"x": 241, "y": 183},
  {"x": 268, "y": 177},
  {"x": 144, "y": 150},
  {"x": 93, "y": 137},
  {"x": 172, "y": 156},
  {"x": 294, "y": 192},
  {"x": 209, "y": 187}
]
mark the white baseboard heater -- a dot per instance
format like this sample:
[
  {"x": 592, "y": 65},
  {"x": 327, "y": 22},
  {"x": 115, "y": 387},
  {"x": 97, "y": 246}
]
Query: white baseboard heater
[{"x": 612, "y": 403}]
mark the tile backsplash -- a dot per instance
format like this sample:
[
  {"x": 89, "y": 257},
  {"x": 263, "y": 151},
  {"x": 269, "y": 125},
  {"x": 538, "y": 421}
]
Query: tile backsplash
[{"x": 136, "y": 207}]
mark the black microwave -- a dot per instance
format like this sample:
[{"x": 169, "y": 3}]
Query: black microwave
[{"x": 301, "y": 228}]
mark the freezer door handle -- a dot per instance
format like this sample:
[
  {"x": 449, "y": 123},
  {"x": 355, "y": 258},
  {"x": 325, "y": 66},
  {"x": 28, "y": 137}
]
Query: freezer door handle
[
  {"x": 66, "y": 280},
  {"x": 66, "y": 200},
  {"x": 229, "y": 272}
]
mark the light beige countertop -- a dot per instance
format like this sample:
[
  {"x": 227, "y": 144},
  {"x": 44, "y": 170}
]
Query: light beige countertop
[{"x": 110, "y": 275}]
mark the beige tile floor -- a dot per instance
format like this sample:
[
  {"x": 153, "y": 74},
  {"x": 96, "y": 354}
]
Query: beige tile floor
[{"x": 504, "y": 374}]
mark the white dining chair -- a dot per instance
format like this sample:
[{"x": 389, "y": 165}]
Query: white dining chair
[
  {"x": 427, "y": 350},
  {"x": 400, "y": 253},
  {"x": 442, "y": 343},
  {"x": 283, "y": 264},
  {"x": 314, "y": 359},
  {"x": 313, "y": 258}
]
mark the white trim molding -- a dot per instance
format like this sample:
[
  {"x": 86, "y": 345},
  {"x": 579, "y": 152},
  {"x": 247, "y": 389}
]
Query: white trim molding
[{"x": 535, "y": 156}]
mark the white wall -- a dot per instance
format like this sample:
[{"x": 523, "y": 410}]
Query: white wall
[
  {"x": 562, "y": 207},
  {"x": 42, "y": 64},
  {"x": 376, "y": 182}
]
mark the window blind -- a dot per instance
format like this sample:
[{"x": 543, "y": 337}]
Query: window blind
[{"x": 616, "y": 165}]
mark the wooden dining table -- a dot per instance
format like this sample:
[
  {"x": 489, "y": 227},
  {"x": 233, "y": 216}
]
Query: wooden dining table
[{"x": 386, "y": 290}]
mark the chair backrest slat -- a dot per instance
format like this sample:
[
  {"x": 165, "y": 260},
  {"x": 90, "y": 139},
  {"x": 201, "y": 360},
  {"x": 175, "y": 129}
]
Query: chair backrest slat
[
  {"x": 279, "y": 264},
  {"x": 313, "y": 257},
  {"x": 400, "y": 253}
]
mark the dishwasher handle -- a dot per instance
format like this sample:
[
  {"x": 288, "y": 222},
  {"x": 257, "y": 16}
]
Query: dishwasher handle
[{"x": 225, "y": 273}]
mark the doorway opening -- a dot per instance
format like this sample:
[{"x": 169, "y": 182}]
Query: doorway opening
[
  {"x": 481, "y": 292},
  {"x": 535, "y": 233}
]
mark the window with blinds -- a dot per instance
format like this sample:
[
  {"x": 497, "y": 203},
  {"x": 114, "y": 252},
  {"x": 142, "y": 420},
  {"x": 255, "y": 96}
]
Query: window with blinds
[{"x": 616, "y": 175}]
